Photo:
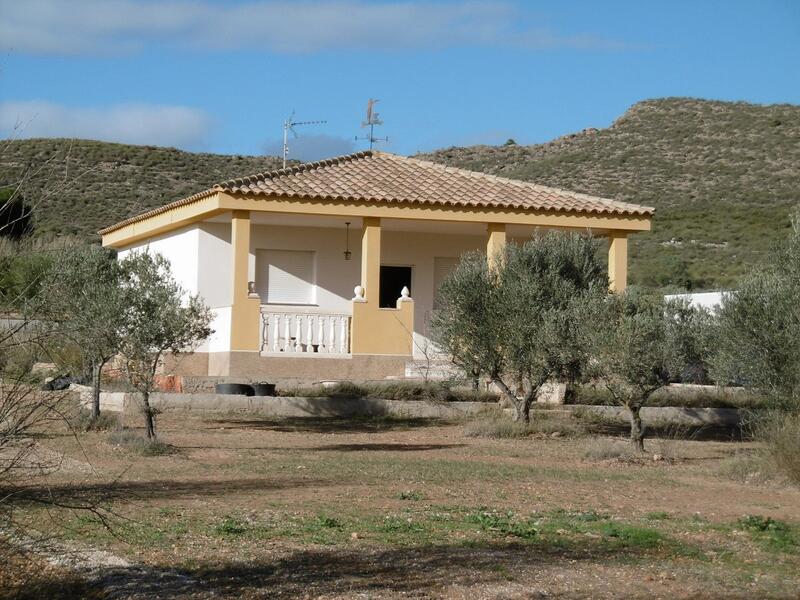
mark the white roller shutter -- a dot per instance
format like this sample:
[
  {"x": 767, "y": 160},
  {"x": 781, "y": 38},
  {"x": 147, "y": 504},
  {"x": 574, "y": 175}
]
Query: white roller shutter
[{"x": 285, "y": 276}]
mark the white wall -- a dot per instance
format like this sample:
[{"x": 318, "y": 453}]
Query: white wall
[
  {"x": 180, "y": 248},
  {"x": 215, "y": 277}
]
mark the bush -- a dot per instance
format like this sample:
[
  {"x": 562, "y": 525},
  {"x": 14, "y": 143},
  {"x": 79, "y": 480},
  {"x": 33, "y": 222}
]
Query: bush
[
  {"x": 394, "y": 390},
  {"x": 133, "y": 442},
  {"x": 589, "y": 395},
  {"x": 604, "y": 448},
  {"x": 781, "y": 434},
  {"x": 105, "y": 422},
  {"x": 498, "y": 427},
  {"x": 543, "y": 424}
]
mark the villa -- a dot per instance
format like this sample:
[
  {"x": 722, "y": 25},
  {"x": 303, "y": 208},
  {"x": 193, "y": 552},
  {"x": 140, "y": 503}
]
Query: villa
[{"x": 328, "y": 270}]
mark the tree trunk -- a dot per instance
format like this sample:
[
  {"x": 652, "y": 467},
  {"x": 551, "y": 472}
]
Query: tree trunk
[
  {"x": 637, "y": 429},
  {"x": 521, "y": 411},
  {"x": 97, "y": 368},
  {"x": 149, "y": 421}
]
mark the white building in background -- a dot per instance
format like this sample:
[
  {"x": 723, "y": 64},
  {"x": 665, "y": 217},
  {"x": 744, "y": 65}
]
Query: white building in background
[{"x": 708, "y": 300}]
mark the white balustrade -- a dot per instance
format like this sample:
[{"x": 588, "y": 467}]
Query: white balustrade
[{"x": 304, "y": 332}]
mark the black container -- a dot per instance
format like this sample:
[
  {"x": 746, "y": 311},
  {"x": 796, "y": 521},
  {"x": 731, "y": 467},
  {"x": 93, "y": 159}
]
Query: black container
[
  {"x": 239, "y": 389},
  {"x": 264, "y": 389}
]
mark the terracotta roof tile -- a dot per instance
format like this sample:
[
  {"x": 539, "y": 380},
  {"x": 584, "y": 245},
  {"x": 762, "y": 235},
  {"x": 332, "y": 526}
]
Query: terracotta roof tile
[{"x": 383, "y": 177}]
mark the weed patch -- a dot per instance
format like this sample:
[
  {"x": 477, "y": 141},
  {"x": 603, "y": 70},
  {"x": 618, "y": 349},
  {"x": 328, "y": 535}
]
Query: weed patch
[
  {"x": 131, "y": 441},
  {"x": 773, "y": 534}
]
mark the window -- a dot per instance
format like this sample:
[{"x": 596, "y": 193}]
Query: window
[
  {"x": 285, "y": 276},
  {"x": 393, "y": 280},
  {"x": 442, "y": 267}
]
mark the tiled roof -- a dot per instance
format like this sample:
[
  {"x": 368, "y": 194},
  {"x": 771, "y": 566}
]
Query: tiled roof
[{"x": 382, "y": 177}]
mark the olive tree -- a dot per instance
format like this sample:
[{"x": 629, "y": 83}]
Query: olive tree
[
  {"x": 86, "y": 307},
  {"x": 757, "y": 338},
  {"x": 523, "y": 321},
  {"x": 160, "y": 317},
  {"x": 640, "y": 345}
]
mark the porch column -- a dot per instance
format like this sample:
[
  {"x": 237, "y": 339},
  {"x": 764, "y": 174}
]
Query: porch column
[
  {"x": 618, "y": 261},
  {"x": 375, "y": 330},
  {"x": 245, "y": 307},
  {"x": 371, "y": 259},
  {"x": 495, "y": 243}
]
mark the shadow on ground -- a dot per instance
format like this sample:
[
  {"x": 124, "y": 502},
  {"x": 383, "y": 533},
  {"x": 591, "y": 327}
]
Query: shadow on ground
[
  {"x": 327, "y": 424},
  {"x": 64, "y": 495},
  {"x": 404, "y": 571},
  {"x": 384, "y": 447}
]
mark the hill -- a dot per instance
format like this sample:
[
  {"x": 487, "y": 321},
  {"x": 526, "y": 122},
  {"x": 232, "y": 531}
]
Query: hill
[
  {"x": 723, "y": 177},
  {"x": 80, "y": 186}
]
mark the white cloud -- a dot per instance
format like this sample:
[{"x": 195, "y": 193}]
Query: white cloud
[
  {"x": 292, "y": 27},
  {"x": 312, "y": 147},
  {"x": 158, "y": 125}
]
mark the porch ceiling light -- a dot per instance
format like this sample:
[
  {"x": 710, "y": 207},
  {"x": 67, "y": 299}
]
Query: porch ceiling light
[{"x": 347, "y": 253}]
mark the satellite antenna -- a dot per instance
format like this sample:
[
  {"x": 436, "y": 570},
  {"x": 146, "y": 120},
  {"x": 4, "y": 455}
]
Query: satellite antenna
[
  {"x": 289, "y": 125},
  {"x": 371, "y": 121}
]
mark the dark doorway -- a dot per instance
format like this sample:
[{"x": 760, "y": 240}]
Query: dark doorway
[{"x": 393, "y": 279}]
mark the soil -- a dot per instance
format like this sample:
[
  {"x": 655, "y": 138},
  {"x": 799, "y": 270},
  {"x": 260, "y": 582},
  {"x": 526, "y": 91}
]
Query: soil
[{"x": 324, "y": 508}]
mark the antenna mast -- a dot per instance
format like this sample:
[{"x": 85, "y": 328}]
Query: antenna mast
[
  {"x": 289, "y": 125},
  {"x": 372, "y": 120}
]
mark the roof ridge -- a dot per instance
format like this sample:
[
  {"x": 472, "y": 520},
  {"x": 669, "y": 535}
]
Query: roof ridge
[{"x": 307, "y": 166}]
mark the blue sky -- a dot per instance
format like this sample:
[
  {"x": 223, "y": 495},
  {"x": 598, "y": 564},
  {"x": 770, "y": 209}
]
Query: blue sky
[{"x": 221, "y": 76}]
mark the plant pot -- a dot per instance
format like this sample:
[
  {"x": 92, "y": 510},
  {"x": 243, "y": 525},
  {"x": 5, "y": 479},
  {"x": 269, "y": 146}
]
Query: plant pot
[
  {"x": 264, "y": 389},
  {"x": 237, "y": 389}
]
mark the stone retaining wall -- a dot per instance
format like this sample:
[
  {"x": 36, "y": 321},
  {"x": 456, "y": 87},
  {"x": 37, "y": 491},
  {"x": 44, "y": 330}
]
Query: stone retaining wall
[{"x": 281, "y": 406}]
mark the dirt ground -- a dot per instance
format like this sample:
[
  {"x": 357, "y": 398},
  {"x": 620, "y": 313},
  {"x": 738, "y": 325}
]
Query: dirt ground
[{"x": 322, "y": 508}]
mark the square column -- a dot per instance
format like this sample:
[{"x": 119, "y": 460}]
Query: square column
[
  {"x": 371, "y": 259},
  {"x": 495, "y": 243},
  {"x": 618, "y": 261},
  {"x": 245, "y": 307}
]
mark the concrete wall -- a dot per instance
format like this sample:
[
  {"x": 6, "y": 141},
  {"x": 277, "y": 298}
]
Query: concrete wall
[{"x": 294, "y": 407}]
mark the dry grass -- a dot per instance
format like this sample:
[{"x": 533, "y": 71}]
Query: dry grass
[
  {"x": 781, "y": 435},
  {"x": 251, "y": 507}
]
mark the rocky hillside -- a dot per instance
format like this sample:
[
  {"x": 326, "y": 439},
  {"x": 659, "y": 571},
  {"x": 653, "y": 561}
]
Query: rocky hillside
[
  {"x": 723, "y": 177},
  {"x": 79, "y": 186}
]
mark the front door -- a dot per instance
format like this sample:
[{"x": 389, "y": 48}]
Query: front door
[{"x": 393, "y": 280}]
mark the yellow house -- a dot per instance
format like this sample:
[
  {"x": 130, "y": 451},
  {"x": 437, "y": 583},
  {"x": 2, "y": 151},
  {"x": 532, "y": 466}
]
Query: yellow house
[{"x": 328, "y": 270}]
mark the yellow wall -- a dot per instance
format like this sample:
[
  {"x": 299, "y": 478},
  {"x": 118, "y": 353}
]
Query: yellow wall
[{"x": 377, "y": 330}]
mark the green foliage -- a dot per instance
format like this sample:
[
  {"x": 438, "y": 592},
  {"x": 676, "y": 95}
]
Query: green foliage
[
  {"x": 230, "y": 526},
  {"x": 159, "y": 317},
  {"x": 24, "y": 268},
  {"x": 112, "y": 182},
  {"x": 757, "y": 339},
  {"x": 640, "y": 345},
  {"x": 775, "y": 535},
  {"x": 722, "y": 177},
  {"x": 522, "y": 322}
]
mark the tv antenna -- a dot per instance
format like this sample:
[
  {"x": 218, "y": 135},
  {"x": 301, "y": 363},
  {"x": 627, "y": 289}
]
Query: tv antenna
[
  {"x": 373, "y": 119},
  {"x": 289, "y": 125}
]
